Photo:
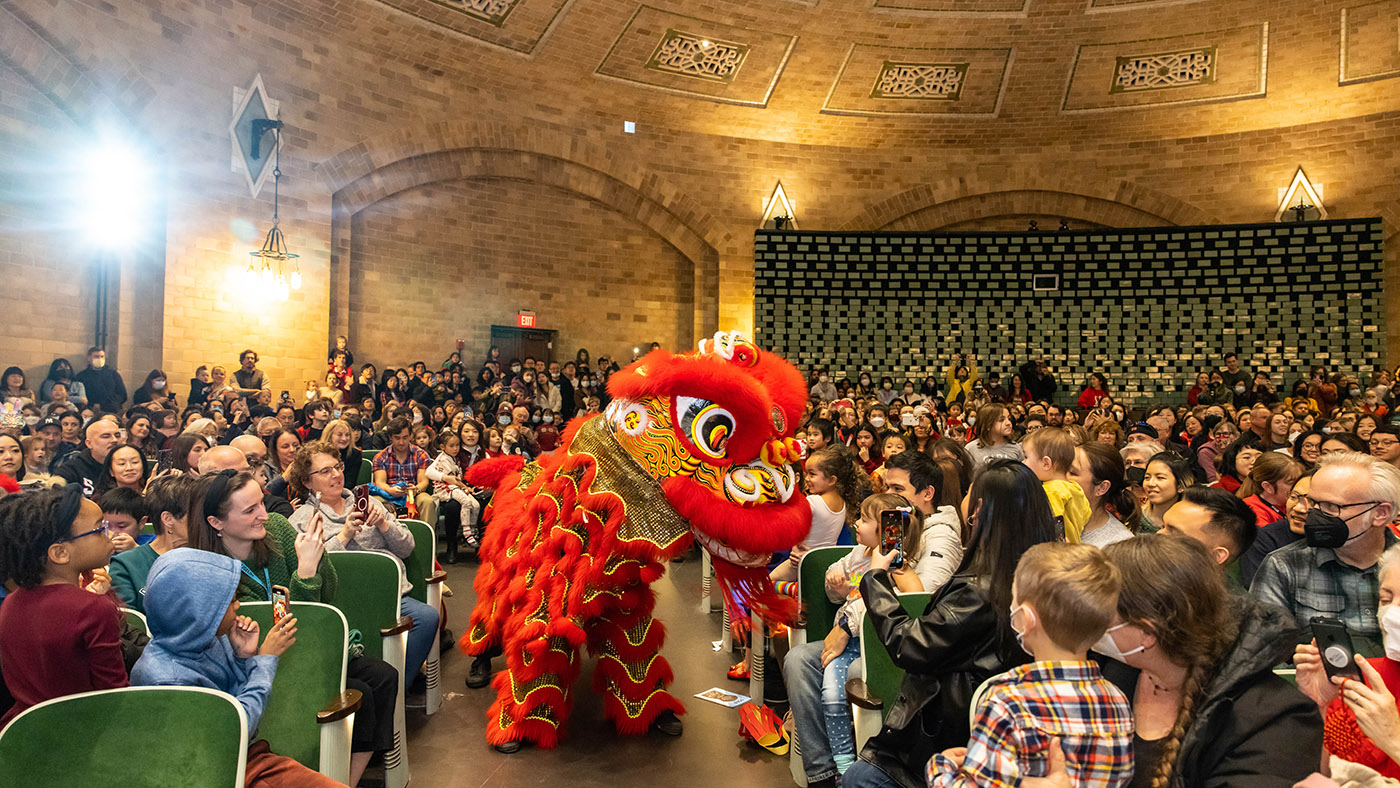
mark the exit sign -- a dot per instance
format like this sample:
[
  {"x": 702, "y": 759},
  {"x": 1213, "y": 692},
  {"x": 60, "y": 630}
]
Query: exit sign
[{"x": 525, "y": 319}]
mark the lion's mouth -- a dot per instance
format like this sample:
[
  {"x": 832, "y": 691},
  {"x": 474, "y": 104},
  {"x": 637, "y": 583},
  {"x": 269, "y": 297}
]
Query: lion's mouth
[{"x": 734, "y": 556}]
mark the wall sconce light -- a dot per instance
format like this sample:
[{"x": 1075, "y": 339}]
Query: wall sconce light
[
  {"x": 1301, "y": 200},
  {"x": 272, "y": 265},
  {"x": 779, "y": 210}
]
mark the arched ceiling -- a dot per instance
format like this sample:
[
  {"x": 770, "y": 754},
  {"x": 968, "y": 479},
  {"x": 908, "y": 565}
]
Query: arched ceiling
[{"x": 895, "y": 73}]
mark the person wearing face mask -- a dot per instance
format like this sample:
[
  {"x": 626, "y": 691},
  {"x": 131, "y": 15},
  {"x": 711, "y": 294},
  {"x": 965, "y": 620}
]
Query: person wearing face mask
[
  {"x": 964, "y": 636},
  {"x": 1196, "y": 663},
  {"x": 103, "y": 385},
  {"x": 1361, "y": 725},
  {"x": 886, "y": 392},
  {"x": 823, "y": 389},
  {"x": 60, "y": 371},
  {"x": 1332, "y": 572},
  {"x": 155, "y": 390}
]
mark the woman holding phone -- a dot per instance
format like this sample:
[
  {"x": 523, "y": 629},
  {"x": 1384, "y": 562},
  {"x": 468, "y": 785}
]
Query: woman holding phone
[
  {"x": 1362, "y": 725},
  {"x": 226, "y": 516},
  {"x": 318, "y": 477}
]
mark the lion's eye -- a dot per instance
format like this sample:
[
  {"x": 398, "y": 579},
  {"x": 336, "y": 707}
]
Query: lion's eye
[{"x": 707, "y": 425}]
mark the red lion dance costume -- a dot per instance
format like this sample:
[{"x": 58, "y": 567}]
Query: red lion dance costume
[{"x": 697, "y": 445}]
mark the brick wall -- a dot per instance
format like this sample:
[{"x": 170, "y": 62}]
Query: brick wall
[
  {"x": 367, "y": 90},
  {"x": 448, "y": 261}
]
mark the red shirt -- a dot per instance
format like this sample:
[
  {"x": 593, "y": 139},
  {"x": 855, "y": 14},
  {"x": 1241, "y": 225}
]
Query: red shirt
[{"x": 58, "y": 640}]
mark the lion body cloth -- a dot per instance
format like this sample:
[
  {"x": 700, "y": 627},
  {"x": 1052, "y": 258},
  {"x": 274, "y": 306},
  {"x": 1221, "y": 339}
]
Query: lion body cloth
[{"x": 694, "y": 446}]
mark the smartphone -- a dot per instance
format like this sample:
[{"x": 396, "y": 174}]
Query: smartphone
[
  {"x": 1334, "y": 643},
  {"x": 362, "y": 499},
  {"x": 286, "y": 395},
  {"x": 165, "y": 460},
  {"x": 893, "y": 524},
  {"x": 281, "y": 604}
]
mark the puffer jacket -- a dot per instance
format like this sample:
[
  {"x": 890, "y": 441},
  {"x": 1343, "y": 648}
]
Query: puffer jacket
[{"x": 1252, "y": 729}]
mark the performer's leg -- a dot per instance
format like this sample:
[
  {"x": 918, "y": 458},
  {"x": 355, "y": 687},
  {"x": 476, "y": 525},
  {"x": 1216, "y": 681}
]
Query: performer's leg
[
  {"x": 631, "y": 674},
  {"x": 532, "y": 693}
]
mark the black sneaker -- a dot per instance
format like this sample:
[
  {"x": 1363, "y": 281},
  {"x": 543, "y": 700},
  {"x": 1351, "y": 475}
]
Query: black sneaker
[
  {"x": 479, "y": 675},
  {"x": 668, "y": 723},
  {"x": 507, "y": 748}
]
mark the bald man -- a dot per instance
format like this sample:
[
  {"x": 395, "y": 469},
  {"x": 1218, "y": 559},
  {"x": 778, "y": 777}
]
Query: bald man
[
  {"x": 256, "y": 453},
  {"x": 85, "y": 466},
  {"x": 228, "y": 458}
]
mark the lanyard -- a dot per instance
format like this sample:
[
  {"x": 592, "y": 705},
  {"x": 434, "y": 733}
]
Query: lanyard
[{"x": 266, "y": 582}]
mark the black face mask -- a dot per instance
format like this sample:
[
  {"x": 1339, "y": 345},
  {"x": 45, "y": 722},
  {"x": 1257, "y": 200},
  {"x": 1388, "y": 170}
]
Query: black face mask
[
  {"x": 1134, "y": 475},
  {"x": 1326, "y": 530}
]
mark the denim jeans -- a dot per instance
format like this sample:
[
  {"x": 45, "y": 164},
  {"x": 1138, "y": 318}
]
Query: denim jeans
[
  {"x": 863, "y": 775},
  {"x": 839, "y": 734},
  {"x": 420, "y": 638},
  {"x": 804, "y": 675}
]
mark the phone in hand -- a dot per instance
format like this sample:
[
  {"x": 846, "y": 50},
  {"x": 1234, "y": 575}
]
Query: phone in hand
[
  {"x": 165, "y": 460},
  {"x": 281, "y": 604},
  {"x": 893, "y": 525},
  {"x": 1335, "y": 646},
  {"x": 362, "y": 499},
  {"x": 286, "y": 395}
]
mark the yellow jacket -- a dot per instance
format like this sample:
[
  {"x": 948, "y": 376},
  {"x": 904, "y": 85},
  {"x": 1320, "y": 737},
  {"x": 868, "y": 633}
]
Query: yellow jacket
[{"x": 1067, "y": 501}]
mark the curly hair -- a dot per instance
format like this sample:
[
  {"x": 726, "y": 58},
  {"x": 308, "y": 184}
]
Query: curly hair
[
  {"x": 30, "y": 523},
  {"x": 841, "y": 464},
  {"x": 300, "y": 470}
]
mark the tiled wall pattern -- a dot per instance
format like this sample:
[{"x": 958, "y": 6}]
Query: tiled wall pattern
[{"x": 1147, "y": 307}]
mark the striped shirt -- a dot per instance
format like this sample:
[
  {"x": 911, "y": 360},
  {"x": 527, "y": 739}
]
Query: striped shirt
[{"x": 1023, "y": 708}]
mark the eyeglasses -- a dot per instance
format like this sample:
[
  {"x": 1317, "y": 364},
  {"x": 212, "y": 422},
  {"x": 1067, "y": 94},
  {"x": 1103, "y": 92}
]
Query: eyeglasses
[
  {"x": 1384, "y": 444},
  {"x": 1335, "y": 509},
  {"x": 103, "y": 529},
  {"x": 330, "y": 469}
]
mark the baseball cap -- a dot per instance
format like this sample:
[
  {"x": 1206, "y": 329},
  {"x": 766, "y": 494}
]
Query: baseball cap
[{"x": 51, "y": 421}]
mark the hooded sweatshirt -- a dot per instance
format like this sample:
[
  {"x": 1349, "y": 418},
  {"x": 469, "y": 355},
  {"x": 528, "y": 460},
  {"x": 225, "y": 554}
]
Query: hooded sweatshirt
[{"x": 187, "y": 593}]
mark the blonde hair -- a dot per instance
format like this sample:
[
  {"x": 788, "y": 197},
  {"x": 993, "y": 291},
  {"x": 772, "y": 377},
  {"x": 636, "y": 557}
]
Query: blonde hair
[
  {"x": 334, "y": 425},
  {"x": 1073, "y": 588},
  {"x": 1051, "y": 442}
]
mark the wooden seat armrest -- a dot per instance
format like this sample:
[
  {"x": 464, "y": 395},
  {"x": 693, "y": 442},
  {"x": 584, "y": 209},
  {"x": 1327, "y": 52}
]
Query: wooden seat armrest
[
  {"x": 405, "y": 624},
  {"x": 340, "y": 707},
  {"x": 859, "y": 694},
  {"x": 436, "y": 577}
]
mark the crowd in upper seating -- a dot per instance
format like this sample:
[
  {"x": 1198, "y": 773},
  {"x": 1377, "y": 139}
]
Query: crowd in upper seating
[{"x": 1226, "y": 526}]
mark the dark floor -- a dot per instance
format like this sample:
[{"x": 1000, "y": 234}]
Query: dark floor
[{"x": 450, "y": 750}]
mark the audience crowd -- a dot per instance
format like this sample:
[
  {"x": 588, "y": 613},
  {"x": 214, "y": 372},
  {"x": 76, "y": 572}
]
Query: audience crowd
[{"x": 1131, "y": 584}]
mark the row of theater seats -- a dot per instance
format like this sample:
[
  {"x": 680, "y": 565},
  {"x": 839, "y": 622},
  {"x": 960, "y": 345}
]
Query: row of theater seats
[{"x": 185, "y": 736}]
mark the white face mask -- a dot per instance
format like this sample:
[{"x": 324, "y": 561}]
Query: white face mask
[
  {"x": 157, "y": 384},
  {"x": 99, "y": 363},
  {"x": 877, "y": 421},
  {"x": 417, "y": 418},
  {"x": 888, "y": 386},
  {"x": 1020, "y": 636},
  {"x": 971, "y": 420},
  {"x": 1390, "y": 630},
  {"x": 1108, "y": 647}
]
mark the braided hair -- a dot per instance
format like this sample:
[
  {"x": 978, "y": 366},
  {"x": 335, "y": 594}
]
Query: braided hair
[
  {"x": 32, "y": 522},
  {"x": 1173, "y": 588}
]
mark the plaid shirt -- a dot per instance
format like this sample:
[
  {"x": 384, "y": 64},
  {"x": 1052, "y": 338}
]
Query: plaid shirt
[
  {"x": 1026, "y": 706},
  {"x": 1312, "y": 581},
  {"x": 405, "y": 473}
]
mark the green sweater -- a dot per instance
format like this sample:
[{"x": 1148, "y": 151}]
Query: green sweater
[
  {"x": 128, "y": 571},
  {"x": 282, "y": 569}
]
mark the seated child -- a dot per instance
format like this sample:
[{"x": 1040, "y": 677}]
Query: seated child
[
  {"x": 1063, "y": 598},
  {"x": 446, "y": 476},
  {"x": 56, "y": 638},
  {"x": 124, "y": 511},
  {"x": 1050, "y": 453},
  {"x": 824, "y": 728},
  {"x": 199, "y": 640}
]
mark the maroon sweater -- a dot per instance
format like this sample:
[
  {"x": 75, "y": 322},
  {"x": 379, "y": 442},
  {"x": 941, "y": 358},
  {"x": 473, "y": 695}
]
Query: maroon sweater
[{"x": 58, "y": 640}]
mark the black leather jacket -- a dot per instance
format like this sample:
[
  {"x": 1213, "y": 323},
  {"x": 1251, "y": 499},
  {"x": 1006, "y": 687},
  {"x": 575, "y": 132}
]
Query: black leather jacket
[{"x": 946, "y": 653}]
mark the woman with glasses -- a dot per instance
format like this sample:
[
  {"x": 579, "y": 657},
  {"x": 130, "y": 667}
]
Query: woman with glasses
[{"x": 318, "y": 477}]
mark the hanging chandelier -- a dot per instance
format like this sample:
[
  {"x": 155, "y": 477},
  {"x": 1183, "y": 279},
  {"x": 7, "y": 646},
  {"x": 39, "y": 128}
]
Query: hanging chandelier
[{"x": 273, "y": 266}]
